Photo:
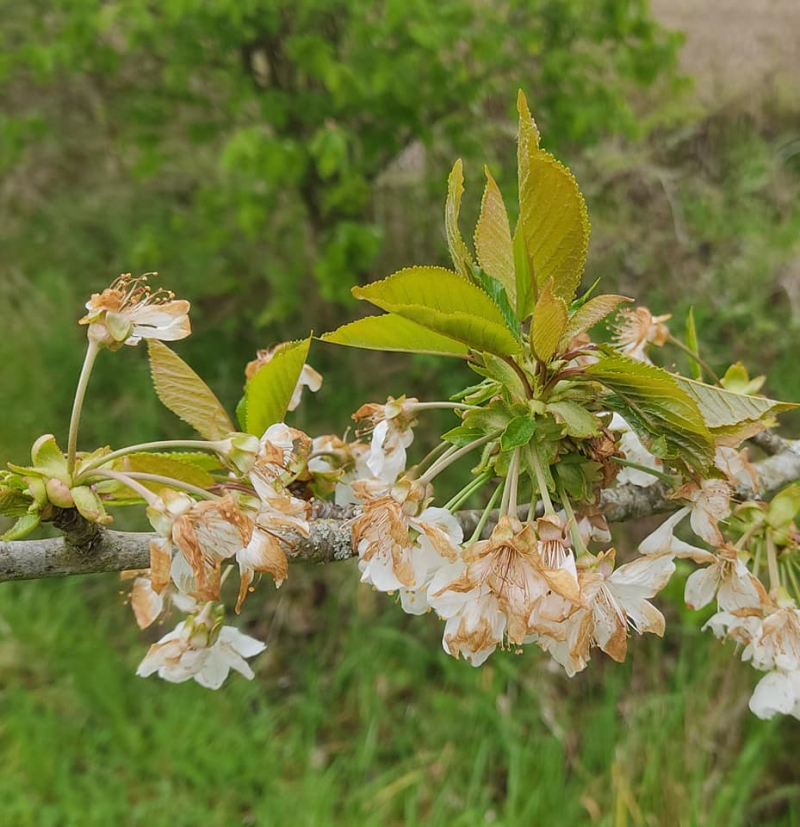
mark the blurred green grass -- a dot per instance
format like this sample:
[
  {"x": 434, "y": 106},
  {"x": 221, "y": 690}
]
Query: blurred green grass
[{"x": 357, "y": 716}]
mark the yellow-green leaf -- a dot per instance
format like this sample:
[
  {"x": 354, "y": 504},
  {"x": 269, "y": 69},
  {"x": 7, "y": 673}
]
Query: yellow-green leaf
[
  {"x": 731, "y": 416},
  {"x": 656, "y": 406},
  {"x": 579, "y": 422},
  {"x": 459, "y": 252},
  {"x": 442, "y": 301},
  {"x": 589, "y": 314},
  {"x": 523, "y": 278},
  {"x": 528, "y": 138},
  {"x": 268, "y": 393},
  {"x": 186, "y": 394},
  {"x": 493, "y": 244},
  {"x": 166, "y": 466},
  {"x": 693, "y": 345},
  {"x": 395, "y": 333},
  {"x": 549, "y": 321},
  {"x": 22, "y": 527},
  {"x": 554, "y": 220}
]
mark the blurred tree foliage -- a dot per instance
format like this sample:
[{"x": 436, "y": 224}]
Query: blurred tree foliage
[{"x": 235, "y": 145}]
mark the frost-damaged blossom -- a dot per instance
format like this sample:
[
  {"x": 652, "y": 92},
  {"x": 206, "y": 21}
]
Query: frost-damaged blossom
[
  {"x": 771, "y": 643},
  {"x": 335, "y": 465},
  {"x": 637, "y": 329},
  {"x": 201, "y": 648},
  {"x": 398, "y": 541},
  {"x": 128, "y": 311},
  {"x": 634, "y": 451},
  {"x": 309, "y": 378},
  {"x": 736, "y": 467},
  {"x": 613, "y": 601},
  {"x": 205, "y": 533},
  {"x": 279, "y": 516},
  {"x": 391, "y": 426},
  {"x": 518, "y": 566},
  {"x": 710, "y": 504},
  {"x": 284, "y": 453},
  {"x": 727, "y": 577}
]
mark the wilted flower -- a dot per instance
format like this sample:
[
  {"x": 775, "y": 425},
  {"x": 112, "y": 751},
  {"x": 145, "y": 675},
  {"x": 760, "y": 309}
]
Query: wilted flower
[
  {"x": 710, "y": 504},
  {"x": 283, "y": 455},
  {"x": 734, "y": 464},
  {"x": 391, "y": 434},
  {"x": 127, "y": 312},
  {"x": 734, "y": 585},
  {"x": 203, "y": 649},
  {"x": 205, "y": 533},
  {"x": 309, "y": 378},
  {"x": 637, "y": 329}
]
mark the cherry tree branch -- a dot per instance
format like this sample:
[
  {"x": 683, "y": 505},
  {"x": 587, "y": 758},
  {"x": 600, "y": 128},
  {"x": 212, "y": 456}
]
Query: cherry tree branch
[{"x": 86, "y": 548}]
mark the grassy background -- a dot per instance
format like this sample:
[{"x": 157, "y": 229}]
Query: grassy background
[{"x": 356, "y": 716}]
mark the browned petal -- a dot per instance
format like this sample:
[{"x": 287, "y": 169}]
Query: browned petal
[
  {"x": 160, "y": 563},
  {"x": 245, "y": 579},
  {"x": 441, "y": 541},
  {"x": 616, "y": 646},
  {"x": 474, "y": 639},
  {"x": 145, "y": 602}
]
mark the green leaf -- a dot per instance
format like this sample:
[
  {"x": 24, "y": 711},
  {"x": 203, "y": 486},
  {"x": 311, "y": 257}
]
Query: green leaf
[
  {"x": 553, "y": 213},
  {"x": 14, "y": 503},
  {"x": 268, "y": 393},
  {"x": 459, "y": 252},
  {"x": 22, "y": 527},
  {"x": 518, "y": 432},
  {"x": 461, "y": 435},
  {"x": 549, "y": 322},
  {"x": 653, "y": 402},
  {"x": 395, "y": 333},
  {"x": 784, "y": 507},
  {"x": 166, "y": 466},
  {"x": 579, "y": 422},
  {"x": 49, "y": 460},
  {"x": 186, "y": 394},
  {"x": 588, "y": 315},
  {"x": 498, "y": 369},
  {"x": 442, "y": 301},
  {"x": 498, "y": 295},
  {"x": 737, "y": 379},
  {"x": 522, "y": 274},
  {"x": 493, "y": 243},
  {"x": 692, "y": 344},
  {"x": 732, "y": 416}
]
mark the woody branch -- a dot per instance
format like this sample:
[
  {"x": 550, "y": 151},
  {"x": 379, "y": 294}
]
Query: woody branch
[{"x": 86, "y": 548}]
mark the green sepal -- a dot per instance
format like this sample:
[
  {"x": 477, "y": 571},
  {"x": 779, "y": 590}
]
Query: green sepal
[{"x": 22, "y": 527}]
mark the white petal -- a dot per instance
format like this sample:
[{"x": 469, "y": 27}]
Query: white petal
[
  {"x": 701, "y": 586},
  {"x": 776, "y": 692},
  {"x": 662, "y": 539},
  {"x": 244, "y": 645}
]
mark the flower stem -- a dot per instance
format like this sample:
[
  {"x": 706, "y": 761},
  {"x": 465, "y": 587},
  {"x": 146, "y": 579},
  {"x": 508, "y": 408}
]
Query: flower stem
[
  {"x": 432, "y": 406},
  {"x": 98, "y": 462},
  {"x": 448, "y": 459},
  {"x": 541, "y": 481},
  {"x": 513, "y": 483},
  {"x": 132, "y": 476},
  {"x": 692, "y": 355},
  {"x": 430, "y": 457},
  {"x": 486, "y": 512},
  {"x": 467, "y": 491},
  {"x": 772, "y": 564},
  {"x": 577, "y": 540},
  {"x": 148, "y": 496},
  {"x": 652, "y": 471},
  {"x": 77, "y": 406}
]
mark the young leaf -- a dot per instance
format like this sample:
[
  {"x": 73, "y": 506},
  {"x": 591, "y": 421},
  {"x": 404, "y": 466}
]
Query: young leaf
[
  {"x": 518, "y": 432},
  {"x": 393, "y": 332},
  {"x": 462, "y": 258},
  {"x": 731, "y": 416},
  {"x": 653, "y": 402},
  {"x": 692, "y": 344},
  {"x": 579, "y": 422},
  {"x": 553, "y": 216},
  {"x": 48, "y": 458},
  {"x": 549, "y": 321},
  {"x": 588, "y": 315},
  {"x": 186, "y": 394},
  {"x": 528, "y": 137},
  {"x": 493, "y": 243},
  {"x": 523, "y": 276},
  {"x": 498, "y": 295},
  {"x": 13, "y": 503},
  {"x": 442, "y": 301},
  {"x": 166, "y": 466},
  {"x": 268, "y": 393},
  {"x": 22, "y": 527}
]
